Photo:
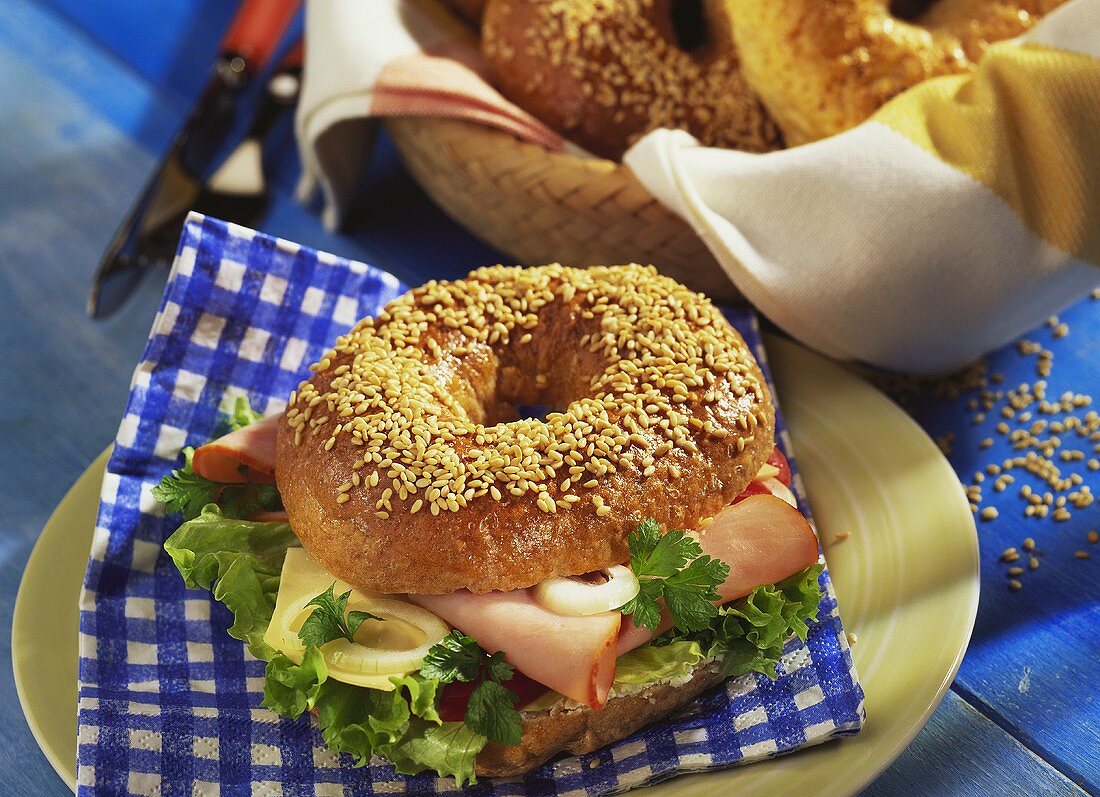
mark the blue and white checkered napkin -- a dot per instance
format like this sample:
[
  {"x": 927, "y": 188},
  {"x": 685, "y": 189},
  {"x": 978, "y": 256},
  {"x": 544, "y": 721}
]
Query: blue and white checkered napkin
[{"x": 170, "y": 704}]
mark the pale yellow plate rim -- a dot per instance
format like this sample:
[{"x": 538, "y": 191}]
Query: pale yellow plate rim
[{"x": 908, "y": 648}]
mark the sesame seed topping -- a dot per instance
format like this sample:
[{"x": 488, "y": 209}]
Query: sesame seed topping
[
  {"x": 665, "y": 356},
  {"x": 629, "y": 68}
]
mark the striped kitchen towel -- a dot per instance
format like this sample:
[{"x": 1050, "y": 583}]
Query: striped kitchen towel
[
  {"x": 962, "y": 214},
  {"x": 169, "y": 703}
]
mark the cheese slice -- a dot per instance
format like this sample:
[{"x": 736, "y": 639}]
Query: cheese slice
[{"x": 394, "y": 646}]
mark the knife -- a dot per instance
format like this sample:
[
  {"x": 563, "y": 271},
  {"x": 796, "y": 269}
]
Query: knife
[
  {"x": 248, "y": 45},
  {"x": 236, "y": 189}
]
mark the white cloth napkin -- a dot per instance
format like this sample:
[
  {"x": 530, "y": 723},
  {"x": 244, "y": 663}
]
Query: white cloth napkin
[{"x": 366, "y": 60}]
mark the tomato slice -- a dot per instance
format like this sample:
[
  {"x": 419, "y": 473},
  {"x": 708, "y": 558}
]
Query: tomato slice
[
  {"x": 754, "y": 488},
  {"x": 455, "y": 695},
  {"x": 776, "y": 459}
]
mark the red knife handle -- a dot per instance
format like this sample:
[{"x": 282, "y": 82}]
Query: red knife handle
[
  {"x": 257, "y": 30},
  {"x": 294, "y": 57}
]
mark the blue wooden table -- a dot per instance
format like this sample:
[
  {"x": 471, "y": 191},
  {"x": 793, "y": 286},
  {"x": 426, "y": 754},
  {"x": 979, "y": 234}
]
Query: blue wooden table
[{"x": 90, "y": 93}]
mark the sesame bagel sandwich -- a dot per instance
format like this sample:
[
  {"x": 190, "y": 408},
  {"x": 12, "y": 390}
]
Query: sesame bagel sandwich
[{"x": 518, "y": 514}]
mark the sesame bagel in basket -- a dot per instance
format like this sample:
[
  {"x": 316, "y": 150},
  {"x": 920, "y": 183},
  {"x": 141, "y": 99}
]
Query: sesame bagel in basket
[
  {"x": 537, "y": 508},
  {"x": 406, "y": 438}
]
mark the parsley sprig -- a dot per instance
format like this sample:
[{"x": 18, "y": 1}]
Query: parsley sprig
[
  {"x": 331, "y": 619},
  {"x": 185, "y": 491},
  {"x": 672, "y": 567},
  {"x": 491, "y": 709}
]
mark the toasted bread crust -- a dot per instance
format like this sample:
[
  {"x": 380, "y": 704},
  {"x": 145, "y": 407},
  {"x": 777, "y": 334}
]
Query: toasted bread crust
[{"x": 582, "y": 730}]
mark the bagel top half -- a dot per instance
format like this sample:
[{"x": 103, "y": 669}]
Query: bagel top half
[{"x": 405, "y": 467}]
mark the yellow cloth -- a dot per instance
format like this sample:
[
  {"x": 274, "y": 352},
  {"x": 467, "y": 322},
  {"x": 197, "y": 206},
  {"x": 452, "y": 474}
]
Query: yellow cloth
[{"x": 1027, "y": 126}]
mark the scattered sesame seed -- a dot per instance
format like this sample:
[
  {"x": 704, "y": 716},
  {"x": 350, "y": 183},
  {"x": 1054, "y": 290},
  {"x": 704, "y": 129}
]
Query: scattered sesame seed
[
  {"x": 1093, "y": 537},
  {"x": 1081, "y": 554},
  {"x": 1033, "y": 562},
  {"x": 1028, "y": 544},
  {"x": 1015, "y": 571},
  {"x": 1014, "y": 585},
  {"x": 852, "y": 638},
  {"x": 989, "y": 513}
]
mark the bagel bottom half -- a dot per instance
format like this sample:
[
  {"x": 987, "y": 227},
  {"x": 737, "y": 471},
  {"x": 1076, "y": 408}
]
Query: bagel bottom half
[{"x": 581, "y": 730}]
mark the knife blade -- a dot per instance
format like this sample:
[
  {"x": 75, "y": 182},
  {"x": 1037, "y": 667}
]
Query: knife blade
[
  {"x": 245, "y": 49},
  {"x": 236, "y": 189}
]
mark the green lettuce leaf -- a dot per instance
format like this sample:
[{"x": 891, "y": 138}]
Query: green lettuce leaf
[
  {"x": 240, "y": 562},
  {"x": 649, "y": 664},
  {"x": 449, "y": 749},
  {"x": 242, "y": 414},
  {"x": 750, "y": 632},
  {"x": 422, "y": 692},
  {"x": 361, "y": 721},
  {"x": 291, "y": 689}
]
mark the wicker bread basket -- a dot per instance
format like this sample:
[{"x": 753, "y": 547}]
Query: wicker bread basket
[{"x": 540, "y": 206}]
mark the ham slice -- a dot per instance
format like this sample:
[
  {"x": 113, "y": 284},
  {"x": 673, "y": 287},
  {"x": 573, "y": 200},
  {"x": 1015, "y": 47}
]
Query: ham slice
[
  {"x": 572, "y": 655},
  {"x": 762, "y": 538},
  {"x": 252, "y": 446}
]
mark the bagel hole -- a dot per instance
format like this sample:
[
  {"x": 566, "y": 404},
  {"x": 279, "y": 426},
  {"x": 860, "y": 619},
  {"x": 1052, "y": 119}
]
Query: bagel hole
[
  {"x": 689, "y": 24},
  {"x": 525, "y": 393},
  {"x": 537, "y": 412},
  {"x": 910, "y": 10}
]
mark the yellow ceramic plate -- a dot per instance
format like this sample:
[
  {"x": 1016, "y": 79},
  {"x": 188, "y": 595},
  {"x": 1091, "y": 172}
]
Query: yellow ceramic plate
[
  {"x": 48, "y": 598},
  {"x": 906, "y": 578}
]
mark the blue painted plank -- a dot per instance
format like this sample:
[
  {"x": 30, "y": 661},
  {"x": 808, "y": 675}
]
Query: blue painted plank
[
  {"x": 1034, "y": 660},
  {"x": 46, "y": 44},
  {"x": 960, "y": 752},
  {"x": 169, "y": 43}
]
